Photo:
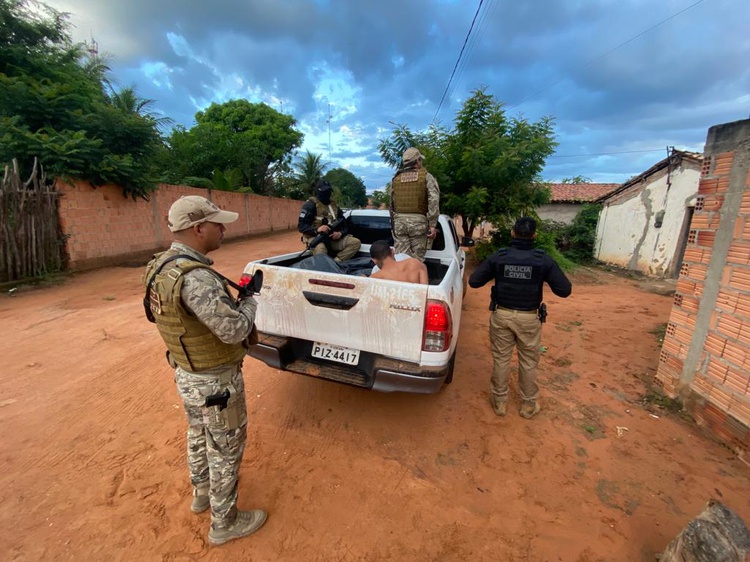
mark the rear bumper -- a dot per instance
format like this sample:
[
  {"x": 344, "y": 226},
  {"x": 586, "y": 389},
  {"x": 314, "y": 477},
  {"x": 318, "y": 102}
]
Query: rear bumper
[{"x": 373, "y": 372}]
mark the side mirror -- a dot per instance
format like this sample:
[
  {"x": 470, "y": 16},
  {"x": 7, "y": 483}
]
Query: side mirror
[{"x": 467, "y": 242}]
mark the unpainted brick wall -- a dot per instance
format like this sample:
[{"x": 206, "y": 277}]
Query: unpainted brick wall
[
  {"x": 717, "y": 391},
  {"x": 104, "y": 228}
]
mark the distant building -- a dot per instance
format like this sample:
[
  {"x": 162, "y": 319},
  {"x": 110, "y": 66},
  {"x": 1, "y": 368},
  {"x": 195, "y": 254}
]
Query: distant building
[
  {"x": 644, "y": 223},
  {"x": 568, "y": 199}
]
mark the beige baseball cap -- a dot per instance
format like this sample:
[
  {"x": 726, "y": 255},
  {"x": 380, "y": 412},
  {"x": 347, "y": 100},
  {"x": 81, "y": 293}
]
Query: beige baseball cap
[
  {"x": 190, "y": 210},
  {"x": 412, "y": 155}
]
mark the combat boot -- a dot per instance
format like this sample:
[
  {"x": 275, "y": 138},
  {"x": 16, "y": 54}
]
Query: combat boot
[
  {"x": 201, "y": 501},
  {"x": 499, "y": 405},
  {"x": 529, "y": 409},
  {"x": 247, "y": 523}
]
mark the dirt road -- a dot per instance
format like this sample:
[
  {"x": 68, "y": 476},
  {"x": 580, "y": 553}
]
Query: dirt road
[{"x": 92, "y": 465}]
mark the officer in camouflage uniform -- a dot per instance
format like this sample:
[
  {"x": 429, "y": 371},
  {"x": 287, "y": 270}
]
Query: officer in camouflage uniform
[
  {"x": 206, "y": 335},
  {"x": 415, "y": 206},
  {"x": 315, "y": 217},
  {"x": 519, "y": 273}
]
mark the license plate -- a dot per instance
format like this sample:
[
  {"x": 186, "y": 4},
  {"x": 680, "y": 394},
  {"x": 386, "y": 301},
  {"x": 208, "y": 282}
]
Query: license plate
[{"x": 335, "y": 353}]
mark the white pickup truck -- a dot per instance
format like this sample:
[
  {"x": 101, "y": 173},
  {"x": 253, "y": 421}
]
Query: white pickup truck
[{"x": 354, "y": 329}]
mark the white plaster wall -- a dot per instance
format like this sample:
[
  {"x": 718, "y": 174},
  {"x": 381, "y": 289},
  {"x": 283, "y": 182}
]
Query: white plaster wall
[
  {"x": 560, "y": 212},
  {"x": 626, "y": 235}
]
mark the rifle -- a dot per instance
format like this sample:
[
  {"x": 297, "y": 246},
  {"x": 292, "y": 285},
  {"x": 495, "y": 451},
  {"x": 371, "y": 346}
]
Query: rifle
[{"x": 335, "y": 226}]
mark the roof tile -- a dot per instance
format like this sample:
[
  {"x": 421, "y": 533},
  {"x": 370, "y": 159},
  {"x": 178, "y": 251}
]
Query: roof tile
[{"x": 580, "y": 192}]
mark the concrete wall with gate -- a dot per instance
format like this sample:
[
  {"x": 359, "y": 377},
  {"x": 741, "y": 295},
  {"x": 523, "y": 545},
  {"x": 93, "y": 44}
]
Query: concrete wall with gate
[
  {"x": 705, "y": 358},
  {"x": 102, "y": 227}
]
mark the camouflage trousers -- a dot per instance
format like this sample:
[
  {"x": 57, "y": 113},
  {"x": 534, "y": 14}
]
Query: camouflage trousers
[
  {"x": 522, "y": 330},
  {"x": 215, "y": 440},
  {"x": 342, "y": 249},
  {"x": 410, "y": 235}
]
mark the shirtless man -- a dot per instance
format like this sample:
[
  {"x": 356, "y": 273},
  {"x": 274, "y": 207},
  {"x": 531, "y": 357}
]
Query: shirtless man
[{"x": 410, "y": 270}]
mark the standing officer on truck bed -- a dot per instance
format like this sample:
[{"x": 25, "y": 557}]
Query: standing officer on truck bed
[
  {"x": 519, "y": 273},
  {"x": 415, "y": 206}
]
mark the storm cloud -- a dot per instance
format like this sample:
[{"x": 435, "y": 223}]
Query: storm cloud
[{"x": 614, "y": 81}]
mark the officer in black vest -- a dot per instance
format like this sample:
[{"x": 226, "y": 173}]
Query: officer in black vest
[{"x": 519, "y": 273}]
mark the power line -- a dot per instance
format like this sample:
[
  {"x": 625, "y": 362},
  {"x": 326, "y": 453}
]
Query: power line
[
  {"x": 595, "y": 59},
  {"x": 604, "y": 153},
  {"x": 476, "y": 39},
  {"x": 458, "y": 60}
]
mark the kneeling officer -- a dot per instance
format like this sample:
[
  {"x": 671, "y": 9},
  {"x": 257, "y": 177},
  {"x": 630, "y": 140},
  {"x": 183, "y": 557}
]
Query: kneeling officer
[{"x": 316, "y": 216}]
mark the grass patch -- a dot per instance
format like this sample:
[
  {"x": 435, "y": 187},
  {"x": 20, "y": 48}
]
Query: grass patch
[
  {"x": 592, "y": 430},
  {"x": 568, "y": 326},
  {"x": 660, "y": 331},
  {"x": 34, "y": 283},
  {"x": 663, "y": 402}
]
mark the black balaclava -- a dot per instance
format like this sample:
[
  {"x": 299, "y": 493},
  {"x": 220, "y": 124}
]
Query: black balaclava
[{"x": 324, "y": 191}]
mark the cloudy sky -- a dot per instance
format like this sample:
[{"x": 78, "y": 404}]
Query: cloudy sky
[{"x": 623, "y": 79}]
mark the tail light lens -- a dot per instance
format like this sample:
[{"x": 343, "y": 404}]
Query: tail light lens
[{"x": 438, "y": 326}]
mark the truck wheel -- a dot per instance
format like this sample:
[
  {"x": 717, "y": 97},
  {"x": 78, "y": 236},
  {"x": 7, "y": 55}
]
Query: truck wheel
[{"x": 451, "y": 367}]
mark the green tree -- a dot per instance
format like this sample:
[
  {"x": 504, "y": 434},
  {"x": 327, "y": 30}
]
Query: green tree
[
  {"x": 54, "y": 106},
  {"x": 493, "y": 163},
  {"x": 581, "y": 234},
  {"x": 576, "y": 180},
  {"x": 380, "y": 198},
  {"x": 237, "y": 134},
  {"x": 229, "y": 180},
  {"x": 128, "y": 101},
  {"x": 350, "y": 189},
  {"x": 487, "y": 166},
  {"x": 308, "y": 169}
]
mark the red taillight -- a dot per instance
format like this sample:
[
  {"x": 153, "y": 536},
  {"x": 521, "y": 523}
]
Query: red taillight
[
  {"x": 438, "y": 326},
  {"x": 436, "y": 317},
  {"x": 245, "y": 280}
]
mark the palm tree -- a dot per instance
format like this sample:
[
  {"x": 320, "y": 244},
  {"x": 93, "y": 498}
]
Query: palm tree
[
  {"x": 228, "y": 180},
  {"x": 308, "y": 170},
  {"x": 127, "y": 100}
]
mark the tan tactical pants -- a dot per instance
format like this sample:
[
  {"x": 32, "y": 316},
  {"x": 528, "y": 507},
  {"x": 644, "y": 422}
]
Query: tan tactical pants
[
  {"x": 342, "y": 249},
  {"x": 214, "y": 453},
  {"x": 522, "y": 330},
  {"x": 410, "y": 235}
]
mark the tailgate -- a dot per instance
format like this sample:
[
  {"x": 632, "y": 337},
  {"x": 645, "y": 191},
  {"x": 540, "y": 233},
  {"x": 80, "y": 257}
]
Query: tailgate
[{"x": 374, "y": 315}]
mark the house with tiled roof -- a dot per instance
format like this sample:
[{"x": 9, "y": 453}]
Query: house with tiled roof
[
  {"x": 568, "y": 198},
  {"x": 644, "y": 223}
]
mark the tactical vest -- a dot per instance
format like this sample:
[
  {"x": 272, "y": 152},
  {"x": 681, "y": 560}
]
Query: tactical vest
[
  {"x": 322, "y": 211},
  {"x": 409, "y": 191},
  {"x": 190, "y": 343},
  {"x": 519, "y": 279}
]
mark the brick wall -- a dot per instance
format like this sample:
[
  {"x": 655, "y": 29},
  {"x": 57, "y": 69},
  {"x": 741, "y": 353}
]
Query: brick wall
[
  {"x": 104, "y": 228},
  {"x": 705, "y": 358}
]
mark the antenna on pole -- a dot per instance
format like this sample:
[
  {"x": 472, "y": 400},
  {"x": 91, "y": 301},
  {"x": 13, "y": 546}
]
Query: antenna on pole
[{"x": 92, "y": 48}]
